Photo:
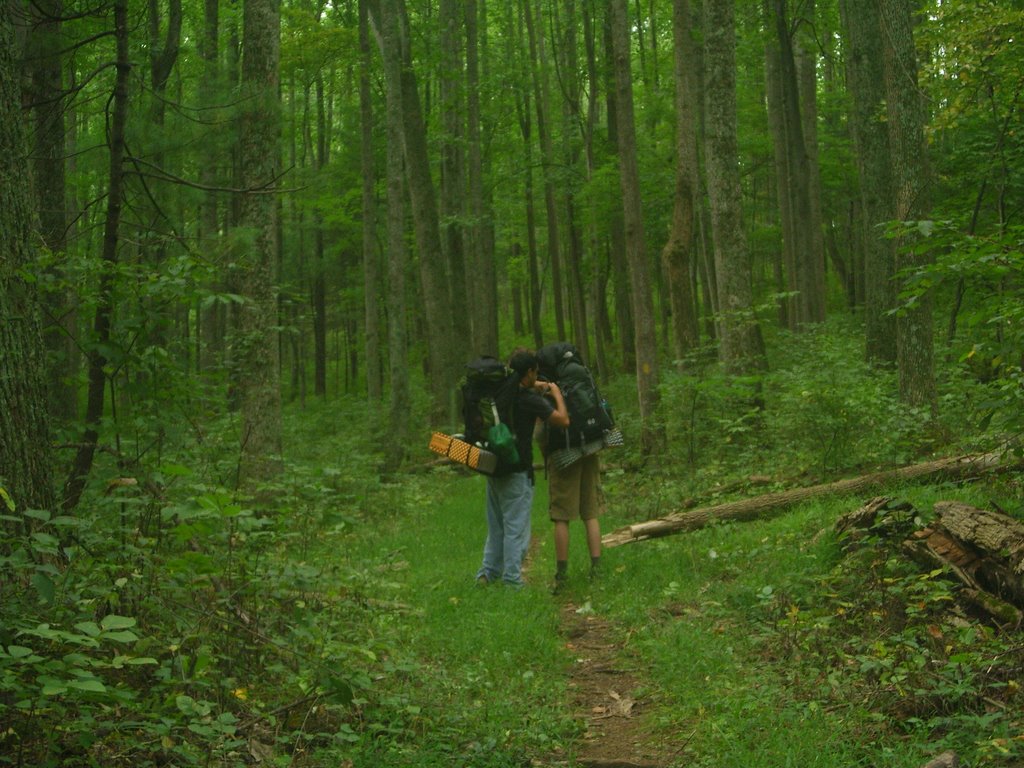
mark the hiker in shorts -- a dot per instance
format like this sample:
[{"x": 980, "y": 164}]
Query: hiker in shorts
[
  {"x": 574, "y": 493},
  {"x": 510, "y": 493}
]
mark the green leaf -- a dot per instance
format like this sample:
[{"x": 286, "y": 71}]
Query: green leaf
[
  {"x": 123, "y": 636},
  {"x": 7, "y": 500},
  {"x": 54, "y": 688},
  {"x": 18, "y": 651},
  {"x": 44, "y": 586},
  {"x": 37, "y": 514},
  {"x": 90, "y": 628},
  {"x": 93, "y": 685},
  {"x": 140, "y": 660},
  {"x": 117, "y": 622}
]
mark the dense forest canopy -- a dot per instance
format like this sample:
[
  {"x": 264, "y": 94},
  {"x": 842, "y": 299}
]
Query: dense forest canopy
[
  {"x": 216, "y": 213},
  {"x": 295, "y": 201}
]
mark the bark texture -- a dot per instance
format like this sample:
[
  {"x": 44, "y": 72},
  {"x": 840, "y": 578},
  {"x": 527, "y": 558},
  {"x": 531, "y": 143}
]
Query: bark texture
[
  {"x": 371, "y": 253},
  {"x": 741, "y": 345},
  {"x": 982, "y": 548},
  {"x": 256, "y": 352},
  {"x": 908, "y": 155},
  {"x": 640, "y": 282},
  {"x": 25, "y": 443},
  {"x": 678, "y": 254},
  {"x": 865, "y": 79}
]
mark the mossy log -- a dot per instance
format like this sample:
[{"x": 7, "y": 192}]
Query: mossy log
[
  {"x": 762, "y": 506},
  {"x": 983, "y": 549}
]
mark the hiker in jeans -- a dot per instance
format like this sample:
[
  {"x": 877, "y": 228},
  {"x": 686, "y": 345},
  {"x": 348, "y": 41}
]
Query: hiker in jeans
[{"x": 510, "y": 494}]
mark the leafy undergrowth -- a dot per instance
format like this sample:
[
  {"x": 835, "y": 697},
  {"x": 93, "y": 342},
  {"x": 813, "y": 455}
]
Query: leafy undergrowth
[{"x": 335, "y": 622}]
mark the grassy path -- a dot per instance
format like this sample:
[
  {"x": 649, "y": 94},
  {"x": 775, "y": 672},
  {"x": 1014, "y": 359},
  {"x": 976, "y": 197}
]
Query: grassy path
[{"x": 696, "y": 644}]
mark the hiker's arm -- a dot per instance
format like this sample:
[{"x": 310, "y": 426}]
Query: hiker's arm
[{"x": 560, "y": 416}]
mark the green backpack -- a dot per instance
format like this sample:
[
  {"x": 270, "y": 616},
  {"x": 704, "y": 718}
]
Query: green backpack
[{"x": 489, "y": 393}]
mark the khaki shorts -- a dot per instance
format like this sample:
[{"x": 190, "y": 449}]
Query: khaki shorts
[{"x": 574, "y": 493}]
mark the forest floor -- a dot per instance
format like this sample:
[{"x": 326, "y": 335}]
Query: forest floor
[{"x": 607, "y": 692}]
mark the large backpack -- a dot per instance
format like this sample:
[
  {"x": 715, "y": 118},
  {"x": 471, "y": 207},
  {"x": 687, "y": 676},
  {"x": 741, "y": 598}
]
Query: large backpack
[
  {"x": 489, "y": 392},
  {"x": 590, "y": 419}
]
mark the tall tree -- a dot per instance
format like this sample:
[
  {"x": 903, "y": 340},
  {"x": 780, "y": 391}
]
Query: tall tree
[
  {"x": 44, "y": 61},
  {"x": 905, "y": 120},
  {"x": 371, "y": 254},
  {"x": 616, "y": 227},
  {"x": 542, "y": 102},
  {"x": 865, "y": 77},
  {"x": 257, "y": 353},
  {"x": 808, "y": 259},
  {"x": 647, "y": 374},
  {"x": 485, "y": 326},
  {"x": 677, "y": 255},
  {"x": 398, "y": 352},
  {"x": 525, "y": 119},
  {"x": 26, "y": 462},
  {"x": 451, "y": 18},
  {"x": 103, "y": 314},
  {"x": 567, "y": 58},
  {"x": 442, "y": 346},
  {"x": 319, "y": 298},
  {"x": 211, "y": 316},
  {"x": 741, "y": 344}
]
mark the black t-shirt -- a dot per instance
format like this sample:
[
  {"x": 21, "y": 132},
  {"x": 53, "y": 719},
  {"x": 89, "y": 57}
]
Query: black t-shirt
[{"x": 530, "y": 406}]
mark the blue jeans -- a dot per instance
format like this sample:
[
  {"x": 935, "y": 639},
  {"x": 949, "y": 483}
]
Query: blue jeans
[{"x": 509, "y": 501}]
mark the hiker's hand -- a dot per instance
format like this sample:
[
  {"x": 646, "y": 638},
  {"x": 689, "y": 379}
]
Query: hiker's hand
[{"x": 547, "y": 388}]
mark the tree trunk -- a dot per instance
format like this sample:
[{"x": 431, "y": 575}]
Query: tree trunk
[
  {"x": 319, "y": 302},
  {"x": 808, "y": 261},
  {"x": 26, "y": 463},
  {"x": 783, "y": 184},
  {"x": 616, "y": 228},
  {"x": 866, "y": 83},
  {"x": 210, "y": 334},
  {"x": 572, "y": 135},
  {"x": 45, "y": 62},
  {"x": 677, "y": 255},
  {"x": 761, "y": 506},
  {"x": 371, "y": 253},
  {"x": 647, "y": 375},
  {"x": 257, "y": 353},
  {"x": 524, "y": 112},
  {"x": 742, "y": 348},
  {"x": 82, "y": 464},
  {"x": 542, "y": 101},
  {"x": 444, "y": 349},
  {"x": 485, "y": 329},
  {"x": 807, "y": 82},
  {"x": 451, "y": 17},
  {"x": 908, "y": 153},
  {"x": 398, "y": 368}
]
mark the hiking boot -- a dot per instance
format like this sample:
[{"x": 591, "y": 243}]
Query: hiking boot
[
  {"x": 482, "y": 580},
  {"x": 558, "y": 583}
]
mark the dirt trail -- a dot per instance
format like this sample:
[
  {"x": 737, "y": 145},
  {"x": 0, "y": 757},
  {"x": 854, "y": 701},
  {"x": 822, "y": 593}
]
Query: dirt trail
[
  {"x": 606, "y": 691},
  {"x": 608, "y": 695}
]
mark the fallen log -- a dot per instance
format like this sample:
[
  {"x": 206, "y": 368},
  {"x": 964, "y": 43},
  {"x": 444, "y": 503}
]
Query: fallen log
[
  {"x": 984, "y": 550},
  {"x": 956, "y": 468}
]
